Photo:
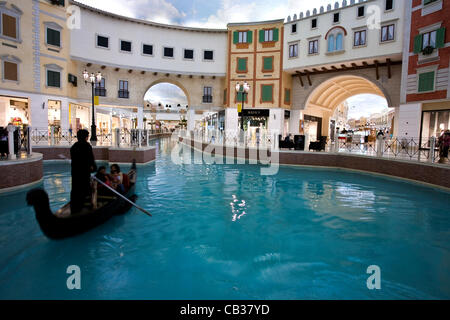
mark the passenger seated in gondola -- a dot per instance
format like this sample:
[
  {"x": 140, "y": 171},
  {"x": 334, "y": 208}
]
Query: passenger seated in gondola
[
  {"x": 103, "y": 177},
  {"x": 120, "y": 181}
]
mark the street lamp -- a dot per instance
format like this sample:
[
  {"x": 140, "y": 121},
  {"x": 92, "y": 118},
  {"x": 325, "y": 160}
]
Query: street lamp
[
  {"x": 93, "y": 79},
  {"x": 246, "y": 89}
]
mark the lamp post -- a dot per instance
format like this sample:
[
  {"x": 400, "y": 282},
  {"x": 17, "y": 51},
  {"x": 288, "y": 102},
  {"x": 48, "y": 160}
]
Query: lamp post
[
  {"x": 246, "y": 89},
  {"x": 93, "y": 79}
]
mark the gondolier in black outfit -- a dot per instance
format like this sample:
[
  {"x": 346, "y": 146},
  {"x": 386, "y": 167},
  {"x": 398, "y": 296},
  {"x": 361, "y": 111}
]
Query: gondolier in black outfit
[{"x": 83, "y": 164}]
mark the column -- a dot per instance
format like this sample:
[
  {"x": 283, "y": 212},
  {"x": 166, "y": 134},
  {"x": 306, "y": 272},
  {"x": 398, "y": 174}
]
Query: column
[
  {"x": 294, "y": 122},
  {"x": 140, "y": 117},
  {"x": 276, "y": 121},
  {"x": 39, "y": 112},
  {"x": 409, "y": 118},
  {"x": 231, "y": 120},
  {"x": 11, "y": 130},
  {"x": 190, "y": 120},
  {"x": 64, "y": 114}
]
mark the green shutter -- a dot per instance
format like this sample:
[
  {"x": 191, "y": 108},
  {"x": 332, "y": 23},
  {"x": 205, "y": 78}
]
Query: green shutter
[
  {"x": 242, "y": 64},
  {"x": 249, "y": 36},
  {"x": 261, "y": 35},
  {"x": 225, "y": 96},
  {"x": 235, "y": 37},
  {"x": 287, "y": 95},
  {"x": 268, "y": 63},
  {"x": 53, "y": 79},
  {"x": 440, "y": 38},
  {"x": 426, "y": 82},
  {"x": 53, "y": 37},
  {"x": 418, "y": 43},
  {"x": 267, "y": 93},
  {"x": 240, "y": 94},
  {"x": 275, "y": 34}
]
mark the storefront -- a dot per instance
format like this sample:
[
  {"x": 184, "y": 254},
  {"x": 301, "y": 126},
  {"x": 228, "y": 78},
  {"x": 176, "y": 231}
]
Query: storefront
[
  {"x": 54, "y": 115},
  {"x": 255, "y": 118},
  {"x": 435, "y": 121},
  {"x": 15, "y": 111},
  {"x": 312, "y": 127}
]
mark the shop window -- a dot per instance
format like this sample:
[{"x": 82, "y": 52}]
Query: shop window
[
  {"x": 267, "y": 93},
  {"x": 434, "y": 123}
]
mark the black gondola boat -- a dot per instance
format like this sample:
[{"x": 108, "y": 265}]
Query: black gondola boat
[{"x": 62, "y": 224}]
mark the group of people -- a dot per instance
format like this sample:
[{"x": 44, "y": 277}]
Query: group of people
[{"x": 116, "y": 180}]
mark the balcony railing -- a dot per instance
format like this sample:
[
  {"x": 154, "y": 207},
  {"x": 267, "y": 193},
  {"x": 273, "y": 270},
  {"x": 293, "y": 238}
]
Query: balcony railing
[
  {"x": 125, "y": 94},
  {"x": 101, "y": 92},
  {"x": 207, "y": 99}
]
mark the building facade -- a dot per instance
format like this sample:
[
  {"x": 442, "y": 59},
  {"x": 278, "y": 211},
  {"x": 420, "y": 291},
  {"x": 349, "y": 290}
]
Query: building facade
[
  {"x": 425, "y": 105},
  {"x": 299, "y": 70}
]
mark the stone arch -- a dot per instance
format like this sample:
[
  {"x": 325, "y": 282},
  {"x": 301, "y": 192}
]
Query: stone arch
[
  {"x": 171, "y": 81},
  {"x": 335, "y": 90},
  {"x": 335, "y": 28}
]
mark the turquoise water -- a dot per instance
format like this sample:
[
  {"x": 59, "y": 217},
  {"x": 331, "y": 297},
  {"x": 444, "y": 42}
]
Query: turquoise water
[{"x": 302, "y": 234}]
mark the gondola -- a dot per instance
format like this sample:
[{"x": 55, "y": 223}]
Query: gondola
[{"x": 62, "y": 224}]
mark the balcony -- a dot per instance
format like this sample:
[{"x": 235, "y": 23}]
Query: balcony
[
  {"x": 101, "y": 92},
  {"x": 207, "y": 99},
  {"x": 125, "y": 94}
]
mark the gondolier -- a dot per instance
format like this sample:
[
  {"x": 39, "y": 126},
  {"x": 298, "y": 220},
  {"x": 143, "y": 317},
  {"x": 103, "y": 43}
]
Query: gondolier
[{"x": 83, "y": 164}]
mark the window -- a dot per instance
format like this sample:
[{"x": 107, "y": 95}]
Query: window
[
  {"x": 331, "y": 43},
  {"x": 267, "y": 64},
  {"x": 123, "y": 89},
  {"x": 100, "y": 88},
  {"x": 208, "y": 55},
  {"x": 53, "y": 79},
  {"x": 9, "y": 26},
  {"x": 313, "y": 47},
  {"x": 225, "y": 96},
  {"x": 10, "y": 71},
  {"x": 425, "y": 2},
  {"x": 147, "y": 49},
  {"x": 168, "y": 52},
  {"x": 269, "y": 35},
  {"x": 294, "y": 28},
  {"x": 188, "y": 54},
  {"x": 207, "y": 94},
  {"x": 389, "y": 5},
  {"x": 293, "y": 50},
  {"x": 387, "y": 33},
  {"x": 435, "y": 39},
  {"x": 267, "y": 93},
  {"x": 339, "y": 42},
  {"x": 242, "y": 65},
  {"x": 313, "y": 23},
  {"x": 360, "y": 38},
  {"x": 102, "y": 42},
  {"x": 53, "y": 37},
  {"x": 242, "y": 37},
  {"x": 426, "y": 82},
  {"x": 336, "y": 17},
  {"x": 125, "y": 46},
  {"x": 361, "y": 11},
  {"x": 241, "y": 95}
]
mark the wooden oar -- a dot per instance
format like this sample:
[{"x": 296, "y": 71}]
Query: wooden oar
[{"x": 122, "y": 196}]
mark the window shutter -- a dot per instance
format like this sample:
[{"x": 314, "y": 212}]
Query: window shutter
[
  {"x": 261, "y": 35},
  {"x": 10, "y": 70},
  {"x": 266, "y": 94},
  {"x": 9, "y": 26},
  {"x": 418, "y": 43},
  {"x": 235, "y": 37},
  {"x": 287, "y": 96},
  {"x": 249, "y": 36},
  {"x": 440, "y": 38},
  {"x": 242, "y": 64},
  {"x": 268, "y": 64},
  {"x": 426, "y": 82},
  {"x": 275, "y": 34}
]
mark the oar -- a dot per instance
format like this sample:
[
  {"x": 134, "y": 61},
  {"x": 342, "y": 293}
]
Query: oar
[{"x": 122, "y": 196}]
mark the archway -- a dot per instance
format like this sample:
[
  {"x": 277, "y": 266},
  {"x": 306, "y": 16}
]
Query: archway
[
  {"x": 332, "y": 94},
  {"x": 165, "y": 106}
]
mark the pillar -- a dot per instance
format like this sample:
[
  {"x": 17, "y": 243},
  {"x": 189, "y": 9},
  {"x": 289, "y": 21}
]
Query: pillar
[
  {"x": 140, "y": 117},
  {"x": 231, "y": 120},
  {"x": 294, "y": 122},
  {"x": 409, "y": 118},
  {"x": 276, "y": 121},
  {"x": 11, "y": 130},
  {"x": 190, "y": 120}
]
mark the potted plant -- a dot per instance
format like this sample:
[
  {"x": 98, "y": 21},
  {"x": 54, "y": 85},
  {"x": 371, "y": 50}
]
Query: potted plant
[{"x": 428, "y": 50}]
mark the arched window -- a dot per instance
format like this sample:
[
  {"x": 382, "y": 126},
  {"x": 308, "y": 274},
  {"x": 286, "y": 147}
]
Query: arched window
[
  {"x": 331, "y": 43},
  {"x": 339, "y": 39}
]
